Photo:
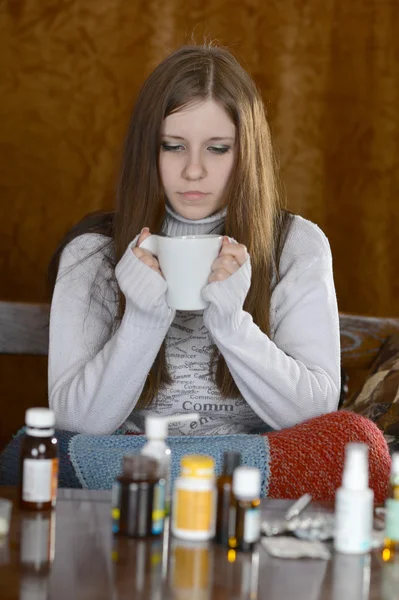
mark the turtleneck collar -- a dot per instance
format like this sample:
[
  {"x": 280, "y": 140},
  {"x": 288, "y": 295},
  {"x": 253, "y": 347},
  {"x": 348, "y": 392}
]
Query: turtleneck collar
[{"x": 175, "y": 225}]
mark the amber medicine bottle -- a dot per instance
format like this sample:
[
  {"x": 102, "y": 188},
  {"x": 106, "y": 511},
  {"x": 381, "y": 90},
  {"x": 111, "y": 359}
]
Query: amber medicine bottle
[
  {"x": 194, "y": 499},
  {"x": 246, "y": 490},
  {"x": 39, "y": 461},
  {"x": 391, "y": 538},
  {"x": 138, "y": 498},
  {"x": 225, "y": 514}
]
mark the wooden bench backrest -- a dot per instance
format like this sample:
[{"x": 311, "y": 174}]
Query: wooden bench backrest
[
  {"x": 362, "y": 337},
  {"x": 24, "y": 330}
]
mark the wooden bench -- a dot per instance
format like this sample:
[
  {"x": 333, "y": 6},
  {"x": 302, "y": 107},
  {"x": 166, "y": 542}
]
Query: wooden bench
[
  {"x": 361, "y": 340},
  {"x": 362, "y": 337},
  {"x": 24, "y": 330}
]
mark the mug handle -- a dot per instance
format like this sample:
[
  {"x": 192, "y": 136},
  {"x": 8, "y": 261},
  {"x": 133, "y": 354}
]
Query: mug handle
[{"x": 151, "y": 244}]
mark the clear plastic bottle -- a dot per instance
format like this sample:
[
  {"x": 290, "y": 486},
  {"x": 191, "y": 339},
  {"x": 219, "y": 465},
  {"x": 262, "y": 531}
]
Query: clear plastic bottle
[
  {"x": 39, "y": 461},
  {"x": 354, "y": 504},
  {"x": 391, "y": 540},
  {"x": 156, "y": 431}
]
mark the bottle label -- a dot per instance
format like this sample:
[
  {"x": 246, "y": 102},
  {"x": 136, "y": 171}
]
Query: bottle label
[
  {"x": 392, "y": 519},
  {"x": 194, "y": 510},
  {"x": 252, "y": 525},
  {"x": 39, "y": 480},
  {"x": 115, "y": 506},
  {"x": 158, "y": 510}
]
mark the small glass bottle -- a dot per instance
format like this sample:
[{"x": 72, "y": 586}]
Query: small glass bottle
[
  {"x": 194, "y": 499},
  {"x": 138, "y": 498},
  {"x": 246, "y": 489},
  {"x": 39, "y": 461},
  {"x": 225, "y": 514},
  {"x": 391, "y": 539}
]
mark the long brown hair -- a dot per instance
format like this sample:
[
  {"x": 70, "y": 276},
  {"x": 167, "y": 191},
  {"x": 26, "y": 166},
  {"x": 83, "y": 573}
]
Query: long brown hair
[{"x": 255, "y": 216}]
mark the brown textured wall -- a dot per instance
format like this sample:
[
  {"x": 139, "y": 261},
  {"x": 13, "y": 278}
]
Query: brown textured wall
[{"x": 328, "y": 73}]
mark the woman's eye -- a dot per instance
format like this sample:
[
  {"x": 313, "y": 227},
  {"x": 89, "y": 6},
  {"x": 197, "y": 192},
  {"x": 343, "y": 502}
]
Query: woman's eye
[
  {"x": 219, "y": 149},
  {"x": 172, "y": 147}
]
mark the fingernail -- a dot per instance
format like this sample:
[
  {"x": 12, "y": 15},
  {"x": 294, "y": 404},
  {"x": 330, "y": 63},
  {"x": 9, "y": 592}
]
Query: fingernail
[{"x": 144, "y": 229}]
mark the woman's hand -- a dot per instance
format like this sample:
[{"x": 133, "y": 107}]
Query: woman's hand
[
  {"x": 231, "y": 258},
  {"x": 145, "y": 255}
]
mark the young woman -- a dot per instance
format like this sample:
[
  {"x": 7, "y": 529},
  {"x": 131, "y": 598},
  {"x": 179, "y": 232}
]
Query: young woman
[{"x": 265, "y": 354}]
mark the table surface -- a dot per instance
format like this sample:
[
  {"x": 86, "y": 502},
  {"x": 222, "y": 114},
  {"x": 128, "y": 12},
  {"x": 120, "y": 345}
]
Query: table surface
[{"x": 90, "y": 563}]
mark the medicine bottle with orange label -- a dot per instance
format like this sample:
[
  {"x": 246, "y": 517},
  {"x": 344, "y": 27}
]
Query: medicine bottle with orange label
[
  {"x": 194, "y": 499},
  {"x": 39, "y": 461}
]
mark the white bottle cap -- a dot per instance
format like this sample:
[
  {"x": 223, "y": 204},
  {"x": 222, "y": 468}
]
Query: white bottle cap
[
  {"x": 356, "y": 468},
  {"x": 246, "y": 483},
  {"x": 395, "y": 464},
  {"x": 40, "y": 418},
  {"x": 156, "y": 426}
]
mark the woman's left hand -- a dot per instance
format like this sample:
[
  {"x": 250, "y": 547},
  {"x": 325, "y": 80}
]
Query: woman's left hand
[{"x": 231, "y": 257}]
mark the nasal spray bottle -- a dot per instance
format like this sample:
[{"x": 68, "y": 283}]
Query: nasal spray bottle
[
  {"x": 354, "y": 504},
  {"x": 156, "y": 431}
]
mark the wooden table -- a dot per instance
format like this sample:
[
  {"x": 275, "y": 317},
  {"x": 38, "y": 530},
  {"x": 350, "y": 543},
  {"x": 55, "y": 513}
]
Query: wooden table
[{"x": 90, "y": 564}]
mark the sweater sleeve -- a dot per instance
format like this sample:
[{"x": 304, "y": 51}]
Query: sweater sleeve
[
  {"x": 96, "y": 374},
  {"x": 294, "y": 374}
]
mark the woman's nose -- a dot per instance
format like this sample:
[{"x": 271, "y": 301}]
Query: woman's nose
[{"x": 194, "y": 168}]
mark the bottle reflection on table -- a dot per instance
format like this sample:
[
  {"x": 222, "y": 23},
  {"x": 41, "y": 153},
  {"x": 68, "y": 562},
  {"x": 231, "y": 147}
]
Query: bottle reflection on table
[
  {"x": 37, "y": 546},
  {"x": 239, "y": 575},
  {"x": 191, "y": 570},
  {"x": 137, "y": 568},
  {"x": 351, "y": 576},
  {"x": 390, "y": 580}
]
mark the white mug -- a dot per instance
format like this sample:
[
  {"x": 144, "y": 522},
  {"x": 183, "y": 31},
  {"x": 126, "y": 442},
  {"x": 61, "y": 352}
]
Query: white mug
[{"x": 185, "y": 263}]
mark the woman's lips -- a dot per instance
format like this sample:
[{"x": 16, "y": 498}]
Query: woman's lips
[{"x": 194, "y": 195}]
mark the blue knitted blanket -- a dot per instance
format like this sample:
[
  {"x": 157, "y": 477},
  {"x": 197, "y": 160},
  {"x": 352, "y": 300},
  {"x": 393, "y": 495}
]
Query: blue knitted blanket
[{"x": 94, "y": 462}]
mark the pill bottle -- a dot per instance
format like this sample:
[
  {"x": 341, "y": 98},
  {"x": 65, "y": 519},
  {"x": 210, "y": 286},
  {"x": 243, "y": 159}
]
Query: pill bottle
[{"x": 194, "y": 499}]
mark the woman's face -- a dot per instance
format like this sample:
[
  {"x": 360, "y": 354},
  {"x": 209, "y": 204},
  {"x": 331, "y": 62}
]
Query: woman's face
[{"x": 196, "y": 159}]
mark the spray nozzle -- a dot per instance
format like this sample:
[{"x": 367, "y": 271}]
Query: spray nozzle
[
  {"x": 156, "y": 426},
  {"x": 356, "y": 475}
]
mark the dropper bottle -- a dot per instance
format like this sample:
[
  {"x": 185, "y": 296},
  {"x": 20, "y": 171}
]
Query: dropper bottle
[
  {"x": 156, "y": 431},
  {"x": 354, "y": 503}
]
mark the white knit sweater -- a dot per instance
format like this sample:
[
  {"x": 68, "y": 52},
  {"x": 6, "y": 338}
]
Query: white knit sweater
[{"x": 96, "y": 374}]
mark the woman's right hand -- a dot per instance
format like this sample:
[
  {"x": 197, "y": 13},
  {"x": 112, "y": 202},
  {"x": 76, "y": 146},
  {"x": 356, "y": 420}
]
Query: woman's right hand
[{"x": 145, "y": 255}]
